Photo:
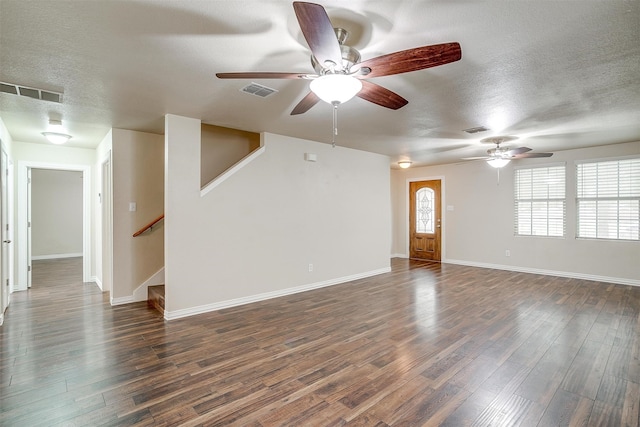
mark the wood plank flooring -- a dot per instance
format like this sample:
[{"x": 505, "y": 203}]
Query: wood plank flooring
[{"x": 426, "y": 344}]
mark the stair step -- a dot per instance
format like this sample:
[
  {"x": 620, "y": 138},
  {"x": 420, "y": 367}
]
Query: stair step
[{"x": 155, "y": 297}]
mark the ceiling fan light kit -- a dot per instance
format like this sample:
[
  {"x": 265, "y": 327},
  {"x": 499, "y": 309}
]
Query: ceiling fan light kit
[
  {"x": 335, "y": 88},
  {"x": 498, "y": 163}
]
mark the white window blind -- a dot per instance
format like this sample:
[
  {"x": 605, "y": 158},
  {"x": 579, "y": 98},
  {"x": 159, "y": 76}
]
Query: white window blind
[
  {"x": 608, "y": 199},
  {"x": 540, "y": 205}
]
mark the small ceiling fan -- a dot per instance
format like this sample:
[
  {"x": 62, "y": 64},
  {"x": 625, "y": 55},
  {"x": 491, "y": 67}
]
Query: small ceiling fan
[
  {"x": 339, "y": 73},
  {"x": 499, "y": 156}
]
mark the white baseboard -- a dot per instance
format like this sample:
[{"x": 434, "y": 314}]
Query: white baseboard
[
  {"x": 98, "y": 282},
  {"x": 1, "y": 319},
  {"x": 56, "y": 256},
  {"x": 176, "y": 314},
  {"x": 141, "y": 292},
  {"x": 122, "y": 300},
  {"x": 569, "y": 274},
  {"x": 399, "y": 256}
]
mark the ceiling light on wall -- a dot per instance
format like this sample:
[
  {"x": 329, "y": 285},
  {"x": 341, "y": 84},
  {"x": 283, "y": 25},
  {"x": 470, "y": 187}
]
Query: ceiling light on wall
[
  {"x": 56, "y": 138},
  {"x": 404, "y": 164},
  {"x": 335, "y": 88},
  {"x": 498, "y": 162}
]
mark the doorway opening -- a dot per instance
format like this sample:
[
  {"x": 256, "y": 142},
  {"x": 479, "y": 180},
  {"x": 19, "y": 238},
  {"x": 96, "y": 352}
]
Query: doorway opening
[{"x": 25, "y": 243}]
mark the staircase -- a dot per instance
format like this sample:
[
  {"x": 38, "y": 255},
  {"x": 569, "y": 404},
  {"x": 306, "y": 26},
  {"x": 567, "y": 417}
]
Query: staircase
[{"x": 155, "y": 297}]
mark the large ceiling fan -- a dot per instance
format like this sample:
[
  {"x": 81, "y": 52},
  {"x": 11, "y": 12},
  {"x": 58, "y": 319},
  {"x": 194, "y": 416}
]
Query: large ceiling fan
[
  {"x": 500, "y": 156},
  {"x": 339, "y": 74}
]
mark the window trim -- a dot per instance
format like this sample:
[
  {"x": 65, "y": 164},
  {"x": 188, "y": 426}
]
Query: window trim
[
  {"x": 564, "y": 200},
  {"x": 577, "y": 200}
]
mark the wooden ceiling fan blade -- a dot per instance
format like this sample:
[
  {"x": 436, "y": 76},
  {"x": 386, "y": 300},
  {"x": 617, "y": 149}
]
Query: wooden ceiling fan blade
[
  {"x": 518, "y": 151},
  {"x": 305, "y": 104},
  {"x": 408, "y": 60},
  {"x": 531, "y": 155},
  {"x": 382, "y": 96},
  {"x": 318, "y": 32},
  {"x": 264, "y": 75}
]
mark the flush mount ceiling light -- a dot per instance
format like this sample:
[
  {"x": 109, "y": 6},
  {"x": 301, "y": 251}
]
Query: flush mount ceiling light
[
  {"x": 404, "y": 164},
  {"x": 56, "y": 138},
  {"x": 55, "y": 132}
]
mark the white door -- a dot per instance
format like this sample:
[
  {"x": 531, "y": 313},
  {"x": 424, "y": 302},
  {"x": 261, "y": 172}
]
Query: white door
[
  {"x": 5, "y": 229},
  {"x": 28, "y": 242}
]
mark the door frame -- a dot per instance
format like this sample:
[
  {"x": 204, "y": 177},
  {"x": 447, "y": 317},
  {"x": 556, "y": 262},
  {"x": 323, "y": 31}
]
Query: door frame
[
  {"x": 23, "y": 243},
  {"x": 105, "y": 226},
  {"x": 407, "y": 226},
  {"x": 6, "y": 206}
]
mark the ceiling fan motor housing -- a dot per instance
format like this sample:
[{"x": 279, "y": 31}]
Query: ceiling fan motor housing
[
  {"x": 500, "y": 152},
  {"x": 350, "y": 56}
]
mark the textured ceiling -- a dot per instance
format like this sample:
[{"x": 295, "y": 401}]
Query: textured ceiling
[{"x": 557, "y": 74}]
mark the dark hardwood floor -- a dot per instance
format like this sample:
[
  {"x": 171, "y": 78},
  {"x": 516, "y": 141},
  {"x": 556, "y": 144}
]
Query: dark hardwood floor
[{"x": 426, "y": 344}]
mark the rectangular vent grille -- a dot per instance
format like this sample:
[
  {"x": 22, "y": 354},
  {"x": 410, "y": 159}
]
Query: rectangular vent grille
[
  {"x": 477, "y": 129},
  {"x": 258, "y": 90},
  {"x": 44, "y": 95}
]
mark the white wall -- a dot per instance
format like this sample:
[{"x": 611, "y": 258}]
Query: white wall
[
  {"x": 480, "y": 227},
  {"x": 137, "y": 175},
  {"x": 7, "y": 141},
  {"x": 56, "y": 220},
  {"x": 221, "y": 148},
  {"x": 255, "y": 235}
]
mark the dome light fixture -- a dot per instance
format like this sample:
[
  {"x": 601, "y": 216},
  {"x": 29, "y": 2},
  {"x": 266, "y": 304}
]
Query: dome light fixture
[
  {"x": 498, "y": 162},
  {"x": 56, "y": 138},
  {"x": 335, "y": 88},
  {"x": 404, "y": 164}
]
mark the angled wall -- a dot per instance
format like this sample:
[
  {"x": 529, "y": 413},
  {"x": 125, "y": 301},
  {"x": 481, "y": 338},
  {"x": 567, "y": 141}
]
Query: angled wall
[{"x": 255, "y": 235}]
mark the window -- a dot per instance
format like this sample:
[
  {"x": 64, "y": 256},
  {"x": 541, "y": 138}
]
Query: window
[
  {"x": 425, "y": 198},
  {"x": 608, "y": 199},
  {"x": 540, "y": 201}
]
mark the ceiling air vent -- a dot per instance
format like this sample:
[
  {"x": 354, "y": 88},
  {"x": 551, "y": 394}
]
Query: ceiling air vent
[
  {"x": 258, "y": 90},
  {"x": 477, "y": 129},
  {"x": 8, "y": 88},
  {"x": 44, "y": 95}
]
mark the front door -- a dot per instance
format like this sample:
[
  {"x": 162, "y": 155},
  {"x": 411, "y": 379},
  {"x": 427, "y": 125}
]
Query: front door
[{"x": 425, "y": 220}]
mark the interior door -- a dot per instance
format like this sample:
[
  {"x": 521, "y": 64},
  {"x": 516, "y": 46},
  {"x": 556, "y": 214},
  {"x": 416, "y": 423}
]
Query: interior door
[
  {"x": 28, "y": 242},
  {"x": 5, "y": 234},
  {"x": 425, "y": 220}
]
